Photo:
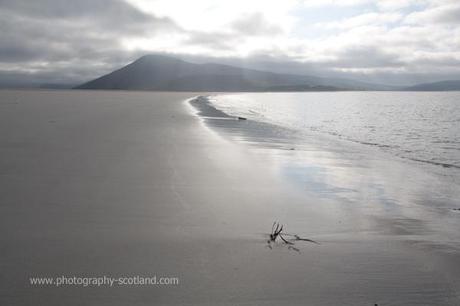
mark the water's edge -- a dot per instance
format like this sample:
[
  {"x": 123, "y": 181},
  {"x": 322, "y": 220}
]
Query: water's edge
[{"x": 207, "y": 110}]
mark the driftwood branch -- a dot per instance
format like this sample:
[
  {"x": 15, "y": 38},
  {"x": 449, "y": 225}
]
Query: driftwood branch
[{"x": 289, "y": 239}]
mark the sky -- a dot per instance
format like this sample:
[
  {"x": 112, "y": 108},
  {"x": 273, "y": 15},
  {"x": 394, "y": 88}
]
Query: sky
[{"x": 384, "y": 41}]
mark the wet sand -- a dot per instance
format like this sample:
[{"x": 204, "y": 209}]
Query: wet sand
[{"x": 124, "y": 184}]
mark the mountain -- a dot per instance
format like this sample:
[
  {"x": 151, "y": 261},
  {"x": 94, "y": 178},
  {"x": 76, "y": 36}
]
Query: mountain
[
  {"x": 291, "y": 88},
  {"x": 450, "y": 85},
  {"x": 314, "y": 75},
  {"x": 159, "y": 72}
]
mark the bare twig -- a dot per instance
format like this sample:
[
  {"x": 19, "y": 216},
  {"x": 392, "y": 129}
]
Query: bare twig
[
  {"x": 285, "y": 241},
  {"x": 277, "y": 231}
]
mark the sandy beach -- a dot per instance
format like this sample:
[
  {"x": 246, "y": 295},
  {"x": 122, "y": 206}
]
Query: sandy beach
[{"x": 137, "y": 184}]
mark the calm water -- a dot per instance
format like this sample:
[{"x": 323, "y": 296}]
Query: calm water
[{"x": 419, "y": 126}]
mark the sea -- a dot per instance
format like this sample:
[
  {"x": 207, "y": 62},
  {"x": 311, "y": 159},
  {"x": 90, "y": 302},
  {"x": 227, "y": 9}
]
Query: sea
[{"x": 419, "y": 126}]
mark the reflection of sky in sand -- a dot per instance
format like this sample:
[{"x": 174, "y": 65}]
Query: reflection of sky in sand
[
  {"x": 376, "y": 192},
  {"x": 400, "y": 198},
  {"x": 385, "y": 225}
]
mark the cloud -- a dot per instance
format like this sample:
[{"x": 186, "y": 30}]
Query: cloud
[
  {"x": 255, "y": 24},
  {"x": 445, "y": 13},
  {"x": 211, "y": 40},
  {"x": 44, "y": 36},
  {"x": 78, "y": 40},
  {"x": 339, "y": 3},
  {"x": 366, "y": 57},
  {"x": 366, "y": 19},
  {"x": 394, "y": 5},
  {"x": 107, "y": 15}
]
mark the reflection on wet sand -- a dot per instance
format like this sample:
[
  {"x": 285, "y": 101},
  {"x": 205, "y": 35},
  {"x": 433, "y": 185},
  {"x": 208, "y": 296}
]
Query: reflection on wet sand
[{"x": 393, "y": 197}]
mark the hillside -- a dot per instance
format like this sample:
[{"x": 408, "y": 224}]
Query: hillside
[
  {"x": 451, "y": 85},
  {"x": 157, "y": 72}
]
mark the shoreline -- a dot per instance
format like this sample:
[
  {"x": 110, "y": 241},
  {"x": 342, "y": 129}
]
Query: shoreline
[
  {"x": 109, "y": 183},
  {"x": 271, "y": 136},
  {"x": 429, "y": 196},
  {"x": 339, "y": 139}
]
